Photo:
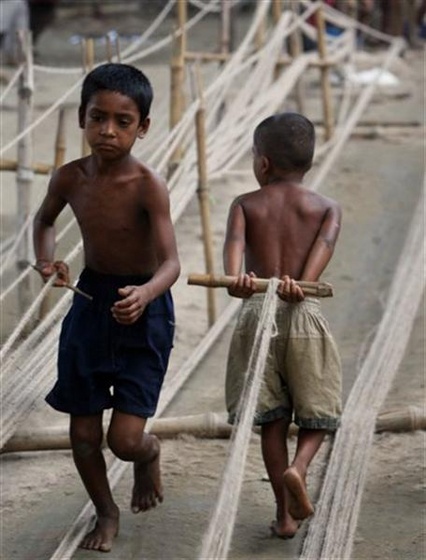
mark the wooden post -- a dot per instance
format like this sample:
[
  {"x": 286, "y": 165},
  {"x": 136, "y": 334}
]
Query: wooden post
[
  {"x": 325, "y": 78},
  {"x": 108, "y": 47},
  {"x": 260, "y": 33},
  {"x": 296, "y": 48},
  {"x": 226, "y": 27},
  {"x": 60, "y": 143},
  {"x": 203, "y": 196},
  {"x": 88, "y": 63},
  {"x": 25, "y": 172},
  {"x": 177, "y": 68},
  {"x": 60, "y": 146}
]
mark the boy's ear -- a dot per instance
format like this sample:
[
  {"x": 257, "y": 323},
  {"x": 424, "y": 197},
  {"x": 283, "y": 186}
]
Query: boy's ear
[
  {"x": 143, "y": 127},
  {"x": 81, "y": 119},
  {"x": 265, "y": 164}
]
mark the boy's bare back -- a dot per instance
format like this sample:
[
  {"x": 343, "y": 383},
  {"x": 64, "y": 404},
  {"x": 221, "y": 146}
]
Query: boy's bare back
[
  {"x": 281, "y": 223},
  {"x": 282, "y": 230}
]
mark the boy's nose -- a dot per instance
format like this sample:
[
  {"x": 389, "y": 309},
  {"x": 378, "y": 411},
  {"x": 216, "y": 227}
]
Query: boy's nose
[{"x": 108, "y": 129}]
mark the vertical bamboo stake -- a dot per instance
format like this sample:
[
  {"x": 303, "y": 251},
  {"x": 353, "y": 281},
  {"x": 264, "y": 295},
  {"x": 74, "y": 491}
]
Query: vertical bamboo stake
[
  {"x": 177, "y": 80},
  {"x": 295, "y": 43},
  {"x": 203, "y": 195},
  {"x": 60, "y": 142},
  {"x": 117, "y": 48},
  {"x": 260, "y": 33},
  {"x": 276, "y": 10},
  {"x": 325, "y": 78},
  {"x": 25, "y": 173},
  {"x": 108, "y": 47},
  {"x": 226, "y": 32},
  {"x": 60, "y": 146},
  {"x": 88, "y": 63},
  {"x": 276, "y": 16}
]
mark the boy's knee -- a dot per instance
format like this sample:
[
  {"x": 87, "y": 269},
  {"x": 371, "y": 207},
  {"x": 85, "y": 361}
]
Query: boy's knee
[
  {"x": 137, "y": 447},
  {"x": 85, "y": 443}
]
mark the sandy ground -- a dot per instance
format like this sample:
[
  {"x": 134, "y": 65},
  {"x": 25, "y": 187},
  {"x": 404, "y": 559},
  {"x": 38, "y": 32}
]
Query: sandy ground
[{"x": 377, "y": 180}]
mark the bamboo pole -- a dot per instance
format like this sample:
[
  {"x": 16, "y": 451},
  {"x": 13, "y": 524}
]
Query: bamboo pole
[
  {"x": 108, "y": 46},
  {"x": 177, "y": 68},
  {"x": 317, "y": 289},
  {"x": 259, "y": 40},
  {"x": 37, "y": 168},
  {"x": 325, "y": 77},
  {"x": 296, "y": 48},
  {"x": 60, "y": 147},
  {"x": 25, "y": 173},
  {"x": 203, "y": 195},
  {"x": 206, "y": 56},
  {"x": 226, "y": 27},
  {"x": 88, "y": 63},
  {"x": 60, "y": 141},
  {"x": 207, "y": 425}
]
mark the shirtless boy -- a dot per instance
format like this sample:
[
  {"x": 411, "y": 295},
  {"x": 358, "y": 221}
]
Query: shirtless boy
[
  {"x": 287, "y": 231},
  {"x": 121, "y": 340}
]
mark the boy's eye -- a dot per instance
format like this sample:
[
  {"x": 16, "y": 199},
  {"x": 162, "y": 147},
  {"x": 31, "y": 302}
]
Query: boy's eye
[{"x": 124, "y": 123}]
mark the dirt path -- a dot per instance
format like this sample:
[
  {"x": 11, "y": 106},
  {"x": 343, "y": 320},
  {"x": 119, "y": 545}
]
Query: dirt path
[{"x": 377, "y": 181}]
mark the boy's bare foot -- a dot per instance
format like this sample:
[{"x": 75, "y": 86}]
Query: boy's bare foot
[
  {"x": 299, "y": 506},
  {"x": 147, "y": 489},
  {"x": 285, "y": 529},
  {"x": 102, "y": 536}
]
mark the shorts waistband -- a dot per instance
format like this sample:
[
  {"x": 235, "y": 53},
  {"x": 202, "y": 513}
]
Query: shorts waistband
[
  {"x": 256, "y": 300},
  {"x": 108, "y": 281}
]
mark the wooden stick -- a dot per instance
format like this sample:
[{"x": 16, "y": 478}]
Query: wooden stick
[
  {"x": 69, "y": 286},
  {"x": 318, "y": 289}
]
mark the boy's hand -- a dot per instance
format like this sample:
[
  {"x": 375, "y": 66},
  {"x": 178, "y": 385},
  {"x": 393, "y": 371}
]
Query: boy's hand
[
  {"x": 128, "y": 310},
  {"x": 48, "y": 269},
  {"x": 244, "y": 286},
  {"x": 289, "y": 291}
]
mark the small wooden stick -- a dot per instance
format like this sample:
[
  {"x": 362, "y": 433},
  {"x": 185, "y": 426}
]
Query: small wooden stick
[
  {"x": 69, "y": 286},
  {"x": 317, "y": 289}
]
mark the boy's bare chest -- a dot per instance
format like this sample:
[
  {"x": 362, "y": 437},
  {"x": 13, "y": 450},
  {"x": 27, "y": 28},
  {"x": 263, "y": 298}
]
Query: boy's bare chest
[{"x": 108, "y": 208}]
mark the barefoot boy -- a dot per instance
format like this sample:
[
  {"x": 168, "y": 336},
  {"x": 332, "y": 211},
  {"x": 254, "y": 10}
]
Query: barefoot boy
[
  {"x": 121, "y": 340},
  {"x": 285, "y": 230}
]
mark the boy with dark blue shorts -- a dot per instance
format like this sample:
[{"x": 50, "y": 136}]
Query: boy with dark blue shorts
[{"x": 114, "y": 348}]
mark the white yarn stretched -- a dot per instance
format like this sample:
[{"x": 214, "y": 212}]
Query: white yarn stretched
[
  {"x": 331, "y": 532},
  {"x": 217, "y": 539},
  {"x": 11, "y": 83}
]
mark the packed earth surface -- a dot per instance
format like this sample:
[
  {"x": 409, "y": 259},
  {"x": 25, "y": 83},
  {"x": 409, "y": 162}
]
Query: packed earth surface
[{"x": 377, "y": 179}]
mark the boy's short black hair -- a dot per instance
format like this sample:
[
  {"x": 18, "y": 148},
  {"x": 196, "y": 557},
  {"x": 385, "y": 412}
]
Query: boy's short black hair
[
  {"x": 120, "y": 78},
  {"x": 287, "y": 140}
]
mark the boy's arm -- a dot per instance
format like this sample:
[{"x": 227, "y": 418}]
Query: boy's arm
[
  {"x": 233, "y": 253},
  {"x": 323, "y": 246},
  {"x": 44, "y": 233}
]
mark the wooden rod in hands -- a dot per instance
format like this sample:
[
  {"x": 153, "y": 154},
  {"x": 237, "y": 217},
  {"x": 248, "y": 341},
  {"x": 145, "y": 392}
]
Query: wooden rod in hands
[{"x": 317, "y": 289}]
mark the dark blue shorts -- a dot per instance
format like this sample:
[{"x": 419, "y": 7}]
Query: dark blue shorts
[{"x": 102, "y": 364}]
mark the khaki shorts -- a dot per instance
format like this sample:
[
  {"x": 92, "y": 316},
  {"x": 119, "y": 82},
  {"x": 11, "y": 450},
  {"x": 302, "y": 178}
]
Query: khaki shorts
[{"x": 302, "y": 372}]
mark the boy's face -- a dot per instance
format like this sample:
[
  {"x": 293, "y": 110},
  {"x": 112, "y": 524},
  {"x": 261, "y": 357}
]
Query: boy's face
[{"x": 112, "y": 124}]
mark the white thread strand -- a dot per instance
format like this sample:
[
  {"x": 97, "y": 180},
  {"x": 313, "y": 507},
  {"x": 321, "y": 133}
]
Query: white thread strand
[{"x": 217, "y": 539}]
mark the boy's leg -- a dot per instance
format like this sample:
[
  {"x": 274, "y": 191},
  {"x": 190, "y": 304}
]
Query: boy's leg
[
  {"x": 308, "y": 443},
  {"x": 86, "y": 440},
  {"x": 128, "y": 441},
  {"x": 275, "y": 456}
]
